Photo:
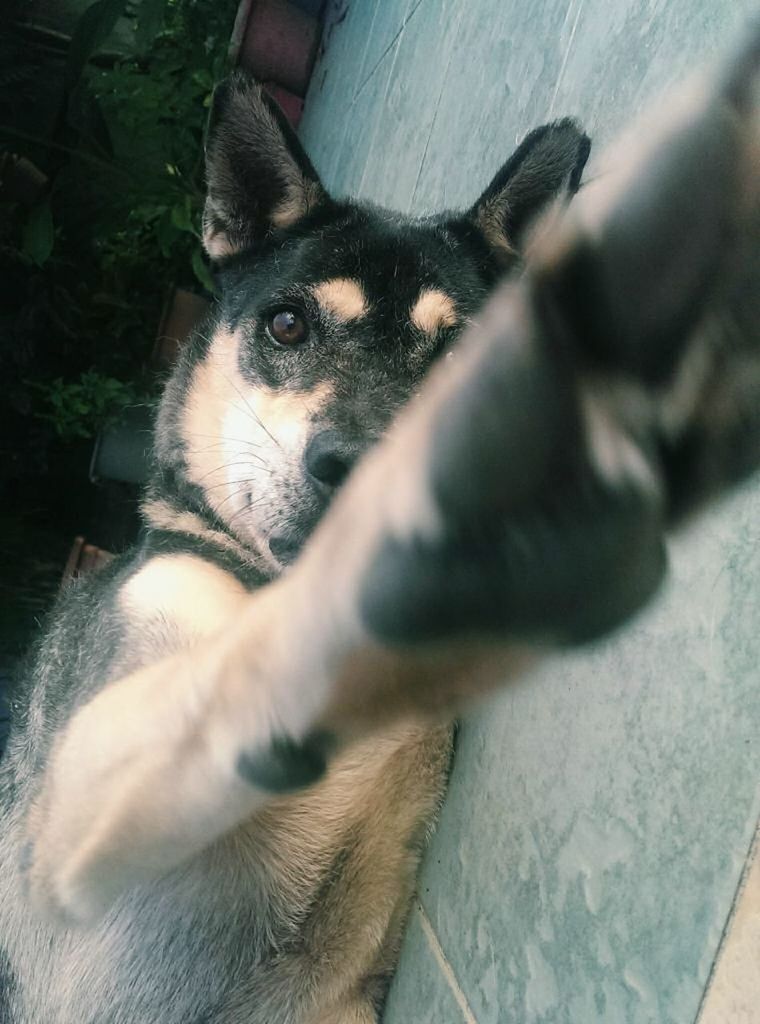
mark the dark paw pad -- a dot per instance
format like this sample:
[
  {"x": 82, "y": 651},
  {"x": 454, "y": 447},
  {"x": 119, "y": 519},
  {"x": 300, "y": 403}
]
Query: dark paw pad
[
  {"x": 562, "y": 578},
  {"x": 285, "y": 764}
]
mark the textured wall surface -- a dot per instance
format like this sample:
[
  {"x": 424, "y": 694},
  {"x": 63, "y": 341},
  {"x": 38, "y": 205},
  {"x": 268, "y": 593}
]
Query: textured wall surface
[{"x": 601, "y": 814}]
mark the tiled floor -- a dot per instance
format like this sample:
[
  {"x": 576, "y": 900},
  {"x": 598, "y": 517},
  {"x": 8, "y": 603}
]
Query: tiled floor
[
  {"x": 600, "y": 815},
  {"x": 733, "y": 996}
]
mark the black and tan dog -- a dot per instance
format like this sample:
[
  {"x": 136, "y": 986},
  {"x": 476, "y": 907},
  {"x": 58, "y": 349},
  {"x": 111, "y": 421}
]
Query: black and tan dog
[{"x": 233, "y": 740}]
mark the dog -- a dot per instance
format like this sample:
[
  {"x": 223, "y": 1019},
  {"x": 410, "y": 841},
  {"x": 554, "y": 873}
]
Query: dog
[{"x": 370, "y": 503}]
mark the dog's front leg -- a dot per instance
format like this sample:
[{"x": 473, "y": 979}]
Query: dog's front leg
[
  {"x": 521, "y": 502},
  {"x": 148, "y": 772},
  {"x": 166, "y": 759},
  {"x": 524, "y": 501},
  {"x": 603, "y": 399}
]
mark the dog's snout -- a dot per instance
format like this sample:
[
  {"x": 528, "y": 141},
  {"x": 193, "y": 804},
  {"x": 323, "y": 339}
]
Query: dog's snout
[{"x": 329, "y": 458}]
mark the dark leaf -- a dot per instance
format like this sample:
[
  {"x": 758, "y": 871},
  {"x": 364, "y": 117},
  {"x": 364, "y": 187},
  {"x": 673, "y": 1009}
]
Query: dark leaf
[
  {"x": 166, "y": 233},
  {"x": 182, "y": 216},
  {"x": 150, "y": 21},
  {"x": 39, "y": 234},
  {"x": 86, "y": 115},
  {"x": 92, "y": 29},
  {"x": 202, "y": 272}
]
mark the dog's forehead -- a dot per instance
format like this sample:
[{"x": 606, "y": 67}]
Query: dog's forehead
[
  {"x": 397, "y": 270},
  {"x": 386, "y": 257}
]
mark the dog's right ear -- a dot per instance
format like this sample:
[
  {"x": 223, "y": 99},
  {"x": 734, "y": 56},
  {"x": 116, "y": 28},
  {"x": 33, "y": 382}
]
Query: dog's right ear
[
  {"x": 547, "y": 164},
  {"x": 258, "y": 177}
]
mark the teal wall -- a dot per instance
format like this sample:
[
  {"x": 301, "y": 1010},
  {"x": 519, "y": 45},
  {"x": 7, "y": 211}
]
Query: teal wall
[{"x": 601, "y": 813}]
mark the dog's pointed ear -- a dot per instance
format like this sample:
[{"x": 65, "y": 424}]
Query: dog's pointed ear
[
  {"x": 547, "y": 164},
  {"x": 258, "y": 177}
]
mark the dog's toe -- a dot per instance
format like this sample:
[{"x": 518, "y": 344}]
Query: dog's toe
[{"x": 285, "y": 764}]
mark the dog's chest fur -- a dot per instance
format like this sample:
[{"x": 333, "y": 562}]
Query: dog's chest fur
[{"x": 295, "y": 916}]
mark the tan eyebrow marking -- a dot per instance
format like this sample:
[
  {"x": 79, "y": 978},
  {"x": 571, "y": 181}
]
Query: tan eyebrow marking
[
  {"x": 342, "y": 297},
  {"x": 432, "y": 310}
]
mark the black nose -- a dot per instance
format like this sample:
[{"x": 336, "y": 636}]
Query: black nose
[{"x": 329, "y": 458}]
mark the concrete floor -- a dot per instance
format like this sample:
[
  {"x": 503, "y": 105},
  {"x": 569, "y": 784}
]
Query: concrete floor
[{"x": 589, "y": 862}]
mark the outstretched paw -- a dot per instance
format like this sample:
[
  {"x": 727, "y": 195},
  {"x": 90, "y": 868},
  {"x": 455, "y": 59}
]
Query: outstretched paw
[{"x": 602, "y": 398}]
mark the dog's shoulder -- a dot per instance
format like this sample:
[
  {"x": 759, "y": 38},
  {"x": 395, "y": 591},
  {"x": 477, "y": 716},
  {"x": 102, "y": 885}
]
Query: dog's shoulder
[{"x": 171, "y": 590}]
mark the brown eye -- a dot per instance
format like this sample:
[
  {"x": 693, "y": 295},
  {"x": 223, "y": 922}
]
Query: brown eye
[{"x": 287, "y": 327}]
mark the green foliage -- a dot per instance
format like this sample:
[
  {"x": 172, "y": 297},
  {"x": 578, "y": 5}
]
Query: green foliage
[
  {"x": 80, "y": 408},
  {"x": 88, "y": 267},
  {"x": 150, "y": 21},
  {"x": 93, "y": 29},
  {"x": 39, "y": 233},
  {"x": 142, "y": 117}
]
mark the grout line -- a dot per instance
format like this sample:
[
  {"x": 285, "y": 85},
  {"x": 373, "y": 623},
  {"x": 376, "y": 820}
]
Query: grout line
[
  {"x": 445, "y": 966},
  {"x": 753, "y": 853},
  {"x": 338, "y": 151},
  {"x": 407, "y": 18},
  {"x": 394, "y": 45},
  {"x": 430, "y": 133},
  {"x": 366, "y": 44},
  {"x": 565, "y": 59},
  {"x": 359, "y": 189}
]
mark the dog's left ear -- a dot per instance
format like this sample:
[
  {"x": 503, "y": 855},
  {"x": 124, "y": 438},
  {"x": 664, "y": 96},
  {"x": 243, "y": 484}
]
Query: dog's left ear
[
  {"x": 548, "y": 163},
  {"x": 258, "y": 177}
]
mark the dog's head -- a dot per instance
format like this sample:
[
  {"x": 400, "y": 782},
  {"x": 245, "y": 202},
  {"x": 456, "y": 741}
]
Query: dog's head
[{"x": 331, "y": 313}]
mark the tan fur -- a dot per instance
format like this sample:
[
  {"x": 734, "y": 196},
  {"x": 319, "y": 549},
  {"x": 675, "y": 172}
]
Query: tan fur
[
  {"x": 145, "y": 775},
  {"x": 437, "y": 684},
  {"x": 163, "y": 516},
  {"x": 379, "y": 792},
  {"x": 303, "y": 196},
  {"x": 237, "y": 435},
  {"x": 287, "y": 413},
  {"x": 433, "y": 310},
  {"x": 217, "y": 244},
  {"x": 490, "y": 220},
  {"x": 172, "y": 724},
  {"x": 616, "y": 456},
  {"x": 180, "y": 723},
  {"x": 220, "y": 397},
  {"x": 342, "y": 298},
  {"x": 196, "y": 595},
  {"x": 216, "y": 386}
]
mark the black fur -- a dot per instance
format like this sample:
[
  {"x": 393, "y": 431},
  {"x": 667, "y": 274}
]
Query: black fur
[
  {"x": 252, "y": 156},
  {"x": 548, "y": 161},
  {"x": 220, "y": 942}
]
